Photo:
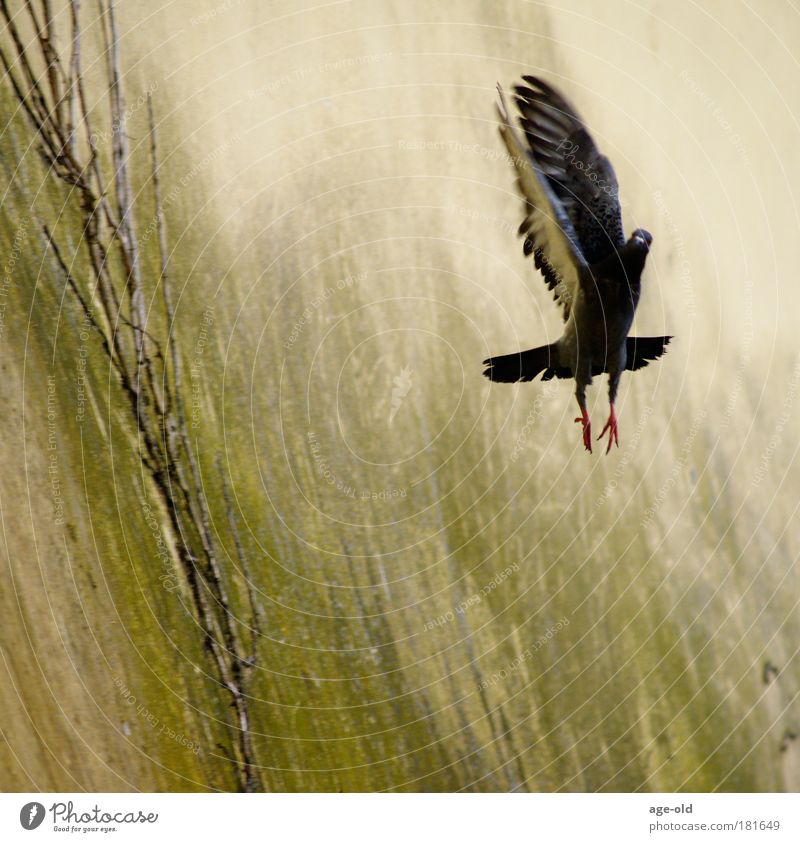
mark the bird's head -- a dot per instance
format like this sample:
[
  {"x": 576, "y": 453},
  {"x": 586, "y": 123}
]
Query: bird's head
[
  {"x": 633, "y": 255},
  {"x": 640, "y": 240}
]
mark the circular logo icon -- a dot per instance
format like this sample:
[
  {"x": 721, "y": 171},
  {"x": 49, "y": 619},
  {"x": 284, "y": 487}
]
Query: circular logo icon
[{"x": 31, "y": 815}]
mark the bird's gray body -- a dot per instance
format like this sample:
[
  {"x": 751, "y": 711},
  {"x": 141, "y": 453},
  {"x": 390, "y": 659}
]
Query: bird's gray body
[{"x": 600, "y": 318}]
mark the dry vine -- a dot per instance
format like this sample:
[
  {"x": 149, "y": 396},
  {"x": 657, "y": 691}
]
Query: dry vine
[{"x": 114, "y": 302}]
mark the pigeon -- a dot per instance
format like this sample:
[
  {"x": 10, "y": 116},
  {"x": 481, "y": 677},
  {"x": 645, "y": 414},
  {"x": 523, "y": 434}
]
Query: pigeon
[{"x": 573, "y": 229}]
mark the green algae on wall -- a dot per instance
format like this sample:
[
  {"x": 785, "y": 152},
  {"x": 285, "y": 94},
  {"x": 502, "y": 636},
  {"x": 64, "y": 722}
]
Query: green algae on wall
[{"x": 392, "y": 554}]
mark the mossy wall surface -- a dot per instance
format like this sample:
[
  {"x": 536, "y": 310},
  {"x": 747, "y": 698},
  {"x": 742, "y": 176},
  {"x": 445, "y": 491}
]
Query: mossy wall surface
[{"x": 450, "y": 594}]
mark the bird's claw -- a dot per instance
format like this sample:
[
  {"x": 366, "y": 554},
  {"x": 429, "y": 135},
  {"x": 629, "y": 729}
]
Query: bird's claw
[
  {"x": 613, "y": 432},
  {"x": 587, "y": 429}
]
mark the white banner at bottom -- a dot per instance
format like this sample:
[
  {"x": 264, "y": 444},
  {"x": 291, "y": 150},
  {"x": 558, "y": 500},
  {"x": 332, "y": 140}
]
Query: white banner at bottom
[{"x": 402, "y": 817}]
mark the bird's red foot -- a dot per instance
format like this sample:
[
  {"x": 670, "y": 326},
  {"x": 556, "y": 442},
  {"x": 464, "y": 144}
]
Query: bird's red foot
[
  {"x": 583, "y": 418},
  {"x": 611, "y": 426}
]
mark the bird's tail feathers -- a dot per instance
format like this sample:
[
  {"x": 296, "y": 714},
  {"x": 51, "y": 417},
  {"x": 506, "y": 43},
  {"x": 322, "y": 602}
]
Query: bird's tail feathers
[
  {"x": 642, "y": 350},
  {"x": 525, "y": 365}
]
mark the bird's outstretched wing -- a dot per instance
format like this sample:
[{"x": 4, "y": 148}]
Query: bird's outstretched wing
[
  {"x": 548, "y": 230},
  {"x": 582, "y": 179}
]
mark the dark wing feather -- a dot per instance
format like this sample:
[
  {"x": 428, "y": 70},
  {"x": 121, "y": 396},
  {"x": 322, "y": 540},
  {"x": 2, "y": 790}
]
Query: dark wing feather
[
  {"x": 642, "y": 350},
  {"x": 547, "y": 228},
  {"x": 581, "y": 178}
]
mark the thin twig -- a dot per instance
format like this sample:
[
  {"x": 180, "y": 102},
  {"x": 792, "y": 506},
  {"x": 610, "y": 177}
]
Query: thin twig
[
  {"x": 213, "y": 575},
  {"x": 73, "y": 284},
  {"x": 255, "y": 625},
  {"x": 49, "y": 150},
  {"x": 55, "y": 75},
  {"x": 72, "y": 79},
  {"x": 169, "y": 311}
]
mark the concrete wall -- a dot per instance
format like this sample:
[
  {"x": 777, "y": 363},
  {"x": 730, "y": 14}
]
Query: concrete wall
[{"x": 451, "y": 593}]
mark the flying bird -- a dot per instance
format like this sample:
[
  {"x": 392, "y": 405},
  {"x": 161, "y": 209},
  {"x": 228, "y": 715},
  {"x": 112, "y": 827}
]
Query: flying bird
[{"x": 573, "y": 229}]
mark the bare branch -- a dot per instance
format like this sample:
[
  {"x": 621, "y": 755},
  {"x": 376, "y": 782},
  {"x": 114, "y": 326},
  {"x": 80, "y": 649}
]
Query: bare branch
[
  {"x": 74, "y": 75},
  {"x": 73, "y": 284},
  {"x": 47, "y": 149},
  {"x": 255, "y": 625},
  {"x": 162, "y": 248},
  {"x": 46, "y": 36},
  {"x": 45, "y": 115},
  {"x": 165, "y": 449}
]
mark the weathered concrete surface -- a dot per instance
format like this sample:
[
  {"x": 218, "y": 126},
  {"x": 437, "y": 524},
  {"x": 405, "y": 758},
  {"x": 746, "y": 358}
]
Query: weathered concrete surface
[{"x": 344, "y": 161}]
